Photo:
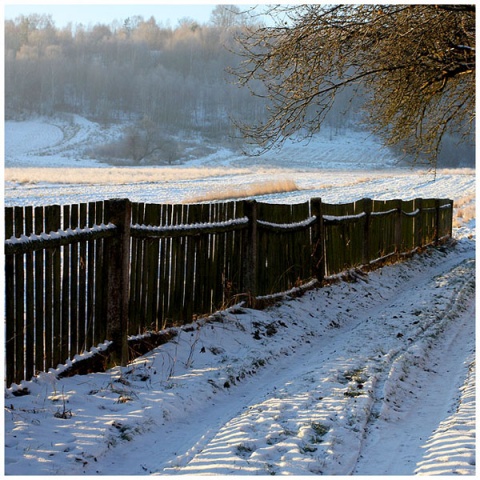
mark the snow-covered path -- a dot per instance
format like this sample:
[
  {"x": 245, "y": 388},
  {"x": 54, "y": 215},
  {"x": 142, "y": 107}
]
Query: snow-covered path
[
  {"x": 430, "y": 397},
  {"x": 354, "y": 378},
  {"x": 241, "y": 447}
]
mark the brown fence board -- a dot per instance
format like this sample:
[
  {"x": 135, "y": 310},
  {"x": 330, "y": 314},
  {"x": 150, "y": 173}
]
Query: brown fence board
[
  {"x": 19, "y": 297},
  {"x": 165, "y": 272},
  {"x": 74, "y": 269},
  {"x": 29, "y": 300},
  {"x": 407, "y": 226},
  {"x": 100, "y": 330},
  {"x": 9, "y": 302},
  {"x": 153, "y": 216},
  {"x": 228, "y": 277},
  {"x": 429, "y": 216},
  {"x": 89, "y": 333},
  {"x": 191, "y": 275},
  {"x": 133, "y": 271},
  {"x": 82, "y": 283},
  {"x": 66, "y": 294},
  {"x": 178, "y": 250},
  {"x": 136, "y": 279},
  {"x": 39, "y": 294}
]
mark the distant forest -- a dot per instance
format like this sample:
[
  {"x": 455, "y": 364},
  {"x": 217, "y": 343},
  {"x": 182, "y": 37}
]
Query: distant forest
[
  {"x": 138, "y": 69},
  {"x": 165, "y": 79}
]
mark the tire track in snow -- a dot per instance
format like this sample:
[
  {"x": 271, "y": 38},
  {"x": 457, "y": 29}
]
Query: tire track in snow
[
  {"x": 418, "y": 382},
  {"x": 303, "y": 399}
]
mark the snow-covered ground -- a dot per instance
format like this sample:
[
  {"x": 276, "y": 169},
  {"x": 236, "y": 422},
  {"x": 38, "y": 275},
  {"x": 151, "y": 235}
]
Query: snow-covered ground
[
  {"x": 370, "y": 377},
  {"x": 337, "y": 168}
]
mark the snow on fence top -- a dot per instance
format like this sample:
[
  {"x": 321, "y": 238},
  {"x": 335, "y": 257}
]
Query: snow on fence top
[
  {"x": 288, "y": 226},
  {"x": 30, "y": 243},
  {"x": 343, "y": 218},
  {"x": 187, "y": 229}
]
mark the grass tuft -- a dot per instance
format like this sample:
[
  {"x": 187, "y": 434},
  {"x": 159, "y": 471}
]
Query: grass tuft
[{"x": 252, "y": 190}]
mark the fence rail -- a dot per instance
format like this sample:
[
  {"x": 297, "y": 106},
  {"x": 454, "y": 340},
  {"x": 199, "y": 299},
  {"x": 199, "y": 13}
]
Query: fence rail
[{"x": 79, "y": 275}]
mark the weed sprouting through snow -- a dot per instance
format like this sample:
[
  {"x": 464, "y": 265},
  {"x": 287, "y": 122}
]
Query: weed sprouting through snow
[{"x": 63, "y": 413}]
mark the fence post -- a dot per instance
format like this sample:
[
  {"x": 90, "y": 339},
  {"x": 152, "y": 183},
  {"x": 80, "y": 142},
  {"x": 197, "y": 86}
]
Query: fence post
[
  {"x": 318, "y": 244},
  {"x": 117, "y": 258},
  {"x": 398, "y": 228},
  {"x": 250, "y": 253},
  {"x": 450, "y": 220},
  {"x": 437, "y": 222},
  {"x": 367, "y": 208},
  {"x": 418, "y": 224}
]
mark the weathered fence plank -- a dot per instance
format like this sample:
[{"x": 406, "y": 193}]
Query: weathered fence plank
[
  {"x": 89, "y": 332},
  {"x": 99, "y": 332},
  {"x": 318, "y": 247},
  {"x": 29, "y": 300},
  {"x": 136, "y": 272},
  {"x": 10, "y": 303},
  {"x": 249, "y": 253},
  {"x": 152, "y": 213},
  {"x": 82, "y": 295},
  {"x": 19, "y": 297},
  {"x": 66, "y": 294},
  {"x": 74, "y": 267},
  {"x": 39, "y": 294}
]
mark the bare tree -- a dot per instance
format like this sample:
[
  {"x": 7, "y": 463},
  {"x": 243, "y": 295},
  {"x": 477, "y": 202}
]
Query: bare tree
[
  {"x": 415, "y": 63},
  {"x": 145, "y": 142},
  {"x": 226, "y": 16}
]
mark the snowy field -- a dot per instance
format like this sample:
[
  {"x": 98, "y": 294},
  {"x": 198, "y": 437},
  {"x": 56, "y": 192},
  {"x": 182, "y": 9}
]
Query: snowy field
[
  {"x": 373, "y": 377},
  {"x": 337, "y": 168}
]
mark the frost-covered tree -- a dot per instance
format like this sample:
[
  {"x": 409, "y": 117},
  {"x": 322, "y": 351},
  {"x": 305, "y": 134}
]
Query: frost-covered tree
[{"x": 415, "y": 64}]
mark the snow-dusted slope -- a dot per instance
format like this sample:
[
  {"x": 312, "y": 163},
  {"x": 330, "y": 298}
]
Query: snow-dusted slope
[
  {"x": 60, "y": 142},
  {"x": 65, "y": 141}
]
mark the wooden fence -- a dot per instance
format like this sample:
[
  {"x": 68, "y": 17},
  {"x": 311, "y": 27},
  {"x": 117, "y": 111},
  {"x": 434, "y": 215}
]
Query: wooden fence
[{"x": 78, "y": 275}]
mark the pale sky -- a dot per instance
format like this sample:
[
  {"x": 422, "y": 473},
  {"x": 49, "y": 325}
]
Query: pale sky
[{"x": 105, "y": 12}]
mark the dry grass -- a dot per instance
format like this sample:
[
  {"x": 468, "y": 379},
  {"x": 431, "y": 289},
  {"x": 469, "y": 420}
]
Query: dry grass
[
  {"x": 251, "y": 190},
  {"x": 464, "y": 210},
  {"x": 119, "y": 176}
]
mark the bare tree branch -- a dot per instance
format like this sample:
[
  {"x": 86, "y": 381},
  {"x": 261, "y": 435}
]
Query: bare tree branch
[{"x": 415, "y": 62}]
